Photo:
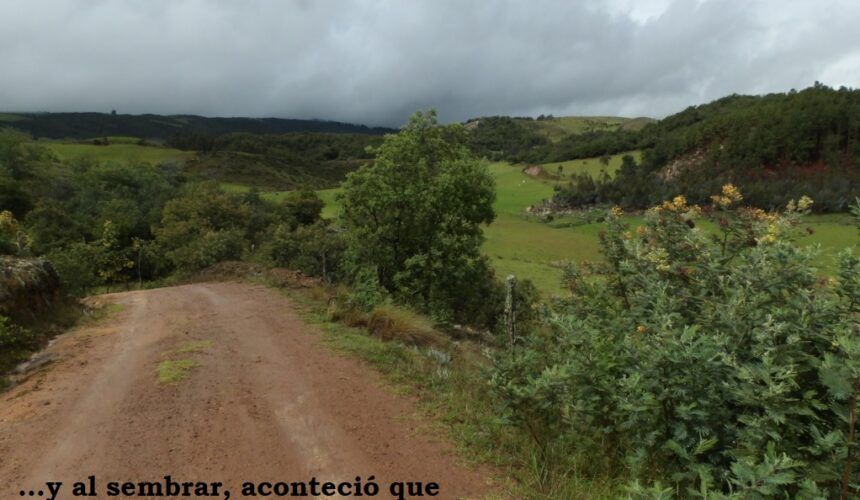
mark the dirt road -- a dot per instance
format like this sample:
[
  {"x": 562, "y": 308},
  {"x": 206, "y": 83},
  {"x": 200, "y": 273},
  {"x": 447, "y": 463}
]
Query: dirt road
[{"x": 264, "y": 402}]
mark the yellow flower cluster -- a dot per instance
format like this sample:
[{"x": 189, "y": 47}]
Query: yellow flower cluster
[
  {"x": 770, "y": 236},
  {"x": 616, "y": 211},
  {"x": 802, "y": 205},
  {"x": 641, "y": 329},
  {"x": 761, "y": 215},
  {"x": 660, "y": 258},
  {"x": 678, "y": 204},
  {"x": 729, "y": 196},
  {"x": 8, "y": 224}
]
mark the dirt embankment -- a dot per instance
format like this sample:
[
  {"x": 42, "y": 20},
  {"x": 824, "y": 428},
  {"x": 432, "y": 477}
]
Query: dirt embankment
[{"x": 213, "y": 382}]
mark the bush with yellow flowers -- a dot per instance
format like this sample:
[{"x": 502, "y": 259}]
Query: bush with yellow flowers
[
  {"x": 13, "y": 240},
  {"x": 695, "y": 363}
]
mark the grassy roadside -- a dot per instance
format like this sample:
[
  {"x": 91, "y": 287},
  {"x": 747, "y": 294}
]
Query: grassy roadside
[{"x": 450, "y": 385}]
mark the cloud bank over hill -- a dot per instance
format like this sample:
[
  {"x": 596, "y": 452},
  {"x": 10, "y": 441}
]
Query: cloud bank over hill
[{"x": 375, "y": 62}]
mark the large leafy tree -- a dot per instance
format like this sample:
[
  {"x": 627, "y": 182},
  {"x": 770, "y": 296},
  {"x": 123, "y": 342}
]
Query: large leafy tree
[
  {"x": 203, "y": 227},
  {"x": 414, "y": 216}
]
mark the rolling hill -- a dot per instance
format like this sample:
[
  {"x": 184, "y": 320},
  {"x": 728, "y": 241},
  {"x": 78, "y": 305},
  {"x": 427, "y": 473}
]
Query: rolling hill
[
  {"x": 774, "y": 147},
  {"x": 546, "y": 138},
  {"x": 163, "y": 127}
]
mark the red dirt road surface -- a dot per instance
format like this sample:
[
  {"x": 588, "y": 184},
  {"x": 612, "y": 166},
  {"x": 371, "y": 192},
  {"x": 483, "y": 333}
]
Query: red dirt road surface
[{"x": 263, "y": 402}]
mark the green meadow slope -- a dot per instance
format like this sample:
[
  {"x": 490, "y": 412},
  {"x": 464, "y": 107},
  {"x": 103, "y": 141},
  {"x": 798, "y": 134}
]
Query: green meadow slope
[
  {"x": 557, "y": 128},
  {"x": 118, "y": 151},
  {"x": 520, "y": 244},
  {"x": 516, "y": 242}
]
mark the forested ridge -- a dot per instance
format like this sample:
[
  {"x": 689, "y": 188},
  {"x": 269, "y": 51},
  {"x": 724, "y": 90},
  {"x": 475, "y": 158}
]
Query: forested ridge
[
  {"x": 277, "y": 161},
  {"x": 774, "y": 148},
  {"x": 163, "y": 127}
]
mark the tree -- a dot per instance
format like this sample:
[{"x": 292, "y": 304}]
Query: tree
[
  {"x": 203, "y": 227},
  {"x": 113, "y": 258},
  {"x": 52, "y": 226},
  {"x": 304, "y": 205},
  {"x": 604, "y": 160},
  {"x": 316, "y": 250},
  {"x": 414, "y": 215}
]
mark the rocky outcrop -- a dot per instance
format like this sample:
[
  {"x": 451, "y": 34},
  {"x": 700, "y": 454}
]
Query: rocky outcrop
[
  {"x": 682, "y": 164},
  {"x": 27, "y": 286}
]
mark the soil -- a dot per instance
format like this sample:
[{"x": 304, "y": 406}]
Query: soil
[{"x": 263, "y": 401}]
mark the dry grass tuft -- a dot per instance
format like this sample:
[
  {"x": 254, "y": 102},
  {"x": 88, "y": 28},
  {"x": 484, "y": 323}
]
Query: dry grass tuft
[{"x": 392, "y": 323}]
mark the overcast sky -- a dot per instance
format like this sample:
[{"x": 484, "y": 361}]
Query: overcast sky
[{"x": 375, "y": 62}]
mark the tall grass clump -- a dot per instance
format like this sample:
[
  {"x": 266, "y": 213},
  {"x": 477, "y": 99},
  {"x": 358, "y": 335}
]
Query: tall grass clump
[{"x": 696, "y": 365}]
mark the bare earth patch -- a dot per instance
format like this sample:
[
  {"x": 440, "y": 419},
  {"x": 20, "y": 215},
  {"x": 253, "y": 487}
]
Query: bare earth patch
[{"x": 257, "y": 398}]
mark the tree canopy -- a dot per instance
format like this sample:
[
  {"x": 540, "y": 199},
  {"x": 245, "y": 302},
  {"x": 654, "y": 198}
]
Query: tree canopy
[{"x": 414, "y": 215}]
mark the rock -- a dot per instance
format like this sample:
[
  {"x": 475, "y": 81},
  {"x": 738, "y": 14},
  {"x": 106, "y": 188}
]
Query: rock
[{"x": 27, "y": 286}]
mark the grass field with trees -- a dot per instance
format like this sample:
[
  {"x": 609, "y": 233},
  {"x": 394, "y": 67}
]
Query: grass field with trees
[
  {"x": 670, "y": 346},
  {"x": 531, "y": 247}
]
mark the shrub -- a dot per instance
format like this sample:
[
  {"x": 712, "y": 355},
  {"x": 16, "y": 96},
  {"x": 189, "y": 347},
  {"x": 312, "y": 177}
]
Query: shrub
[
  {"x": 209, "y": 248},
  {"x": 14, "y": 337},
  {"x": 203, "y": 227},
  {"x": 414, "y": 218},
  {"x": 716, "y": 365},
  {"x": 315, "y": 250},
  {"x": 77, "y": 265},
  {"x": 13, "y": 241},
  {"x": 304, "y": 206}
]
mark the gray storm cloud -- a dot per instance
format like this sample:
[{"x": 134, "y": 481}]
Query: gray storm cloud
[{"x": 375, "y": 62}]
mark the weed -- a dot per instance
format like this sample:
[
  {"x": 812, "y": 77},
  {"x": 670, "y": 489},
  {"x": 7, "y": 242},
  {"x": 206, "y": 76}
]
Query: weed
[
  {"x": 189, "y": 347},
  {"x": 174, "y": 371}
]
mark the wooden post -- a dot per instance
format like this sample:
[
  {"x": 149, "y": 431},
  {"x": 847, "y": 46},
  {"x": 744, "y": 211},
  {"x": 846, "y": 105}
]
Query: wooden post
[{"x": 510, "y": 309}]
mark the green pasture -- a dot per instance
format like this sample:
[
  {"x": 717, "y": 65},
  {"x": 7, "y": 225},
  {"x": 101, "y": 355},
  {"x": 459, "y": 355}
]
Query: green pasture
[
  {"x": 331, "y": 205},
  {"x": 265, "y": 193},
  {"x": 121, "y": 150},
  {"x": 520, "y": 244},
  {"x": 591, "y": 166},
  {"x": 523, "y": 246},
  {"x": 560, "y": 127}
]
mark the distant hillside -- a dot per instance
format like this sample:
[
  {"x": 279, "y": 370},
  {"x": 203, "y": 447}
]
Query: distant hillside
[
  {"x": 281, "y": 161},
  {"x": 161, "y": 127},
  {"x": 556, "y": 128},
  {"x": 545, "y": 138},
  {"x": 775, "y": 147},
  {"x": 636, "y": 124}
]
